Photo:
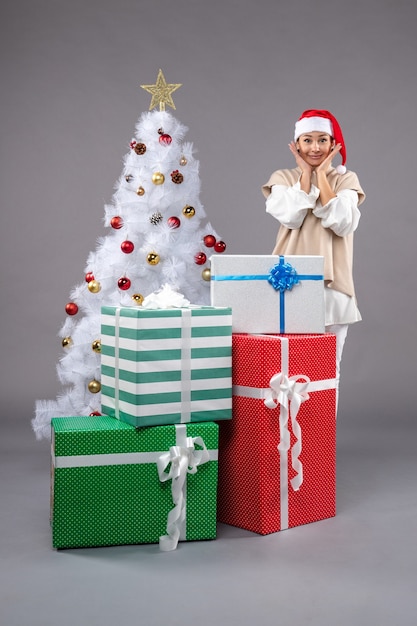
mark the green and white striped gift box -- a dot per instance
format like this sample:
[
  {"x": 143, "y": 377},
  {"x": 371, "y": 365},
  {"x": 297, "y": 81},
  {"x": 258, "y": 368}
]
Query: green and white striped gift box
[{"x": 166, "y": 366}]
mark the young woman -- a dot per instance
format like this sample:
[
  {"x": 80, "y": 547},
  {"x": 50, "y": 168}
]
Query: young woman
[{"x": 317, "y": 207}]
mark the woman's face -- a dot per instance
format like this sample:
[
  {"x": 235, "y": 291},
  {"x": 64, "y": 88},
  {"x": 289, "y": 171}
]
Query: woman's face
[{"x": 314, "y": 147}]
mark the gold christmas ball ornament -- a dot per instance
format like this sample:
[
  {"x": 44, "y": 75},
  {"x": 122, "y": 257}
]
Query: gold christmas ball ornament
[
  {"x": 140, "y": 191},
  {"x": 188, "y": 211},
  {"x": 138, "y": 298},
  {"x": 153, "y": 258},
  {"x": 158, "y": 178},
  {"x": 206, "y": 274},
  {"x": 96, "y": 346},
  {"x": 66, "y": 342},
  {"x": 94, "y": 286},
  {"x": 183, "y": 161},
  {"x": 94, "y": 386}
]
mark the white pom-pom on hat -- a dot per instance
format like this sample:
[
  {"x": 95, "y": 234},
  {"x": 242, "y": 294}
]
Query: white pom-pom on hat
[{"x": 322, "y": 121}]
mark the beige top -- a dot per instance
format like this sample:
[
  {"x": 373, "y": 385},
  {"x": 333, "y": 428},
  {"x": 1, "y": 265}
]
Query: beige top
[{"x": 311, "y": 238}]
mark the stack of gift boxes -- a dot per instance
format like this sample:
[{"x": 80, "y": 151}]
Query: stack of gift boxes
[{"x": 220, "y": 413}]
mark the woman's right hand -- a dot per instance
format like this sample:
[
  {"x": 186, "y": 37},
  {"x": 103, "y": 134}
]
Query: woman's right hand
[
  {"x": 303, "y": 165},
  {"x": 306, "y": 169}
]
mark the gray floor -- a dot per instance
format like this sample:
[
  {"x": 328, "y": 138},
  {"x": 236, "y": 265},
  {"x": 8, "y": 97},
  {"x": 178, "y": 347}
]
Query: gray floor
[{"x": 358, "y": 568}]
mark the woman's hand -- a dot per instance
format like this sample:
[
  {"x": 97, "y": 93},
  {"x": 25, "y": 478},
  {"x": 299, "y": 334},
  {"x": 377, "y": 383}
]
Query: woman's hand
[
  {"x": 326, "y": 192},
  {"x": 324, "y": 165},
  {"x": 303, "y": 165},
  {"x": 306, "y": 169}
]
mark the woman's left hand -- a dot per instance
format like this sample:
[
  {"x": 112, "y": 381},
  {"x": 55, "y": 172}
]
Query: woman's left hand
[{"x": 324, "y": 166}]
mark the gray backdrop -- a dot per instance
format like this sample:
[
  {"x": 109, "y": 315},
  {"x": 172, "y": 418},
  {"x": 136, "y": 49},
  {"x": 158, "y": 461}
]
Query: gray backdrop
[{"x": 70, "y": 99}]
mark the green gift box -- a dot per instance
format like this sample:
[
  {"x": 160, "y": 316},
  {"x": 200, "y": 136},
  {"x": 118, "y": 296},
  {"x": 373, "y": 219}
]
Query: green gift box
[
  {"x": 166, "y": 366},
  {"x": 113, "y": 484}
]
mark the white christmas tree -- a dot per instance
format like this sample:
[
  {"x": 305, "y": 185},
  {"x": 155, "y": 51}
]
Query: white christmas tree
[{"x": 158, "y": 235}]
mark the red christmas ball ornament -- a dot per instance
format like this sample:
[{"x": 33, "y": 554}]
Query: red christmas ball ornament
[
  {"x": 174, "y": 222},
  {"x": 209, "y": 241},
  {"x": 165, "y": 139},
  {"x": 71, "y": 308},
  {"x": 124, "y": 283},
  {"x": 200, "y": 258},
  {"x": 127, "y": 246},
  {"x": 116, "y": 222},
  {"x": 220, "y": 246},
  {"x": 95, "y": 414},
  {"x": 89, "y": 277}
]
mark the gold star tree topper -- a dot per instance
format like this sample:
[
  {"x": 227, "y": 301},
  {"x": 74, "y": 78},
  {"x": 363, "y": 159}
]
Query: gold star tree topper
[{"x": 161, "y": 92}]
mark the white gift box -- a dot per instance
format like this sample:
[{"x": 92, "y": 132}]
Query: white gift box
[{"x": 270, "y": 293}]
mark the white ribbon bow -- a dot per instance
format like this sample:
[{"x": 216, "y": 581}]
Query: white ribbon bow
[
  {"x": 165, "y": 298},
  {"x": 182, "y": 461},
  {"x": 289, "y": 394}
]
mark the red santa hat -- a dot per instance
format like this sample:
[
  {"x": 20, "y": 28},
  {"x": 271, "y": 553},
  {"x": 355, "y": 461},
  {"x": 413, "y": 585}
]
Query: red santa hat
[{"x": 322, "y": 121}]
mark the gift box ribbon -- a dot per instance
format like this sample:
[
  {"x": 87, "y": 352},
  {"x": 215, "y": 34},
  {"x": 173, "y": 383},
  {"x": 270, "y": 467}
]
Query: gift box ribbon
[
  {"x": 182, "y": 459},
  {"x": 282, "y": 277},
  {"x": 185, "y": 365},
  {"x": 287, "y": 393}
]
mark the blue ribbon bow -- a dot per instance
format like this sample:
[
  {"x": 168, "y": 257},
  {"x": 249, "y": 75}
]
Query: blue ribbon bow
[{"x": 283, "y": 276}]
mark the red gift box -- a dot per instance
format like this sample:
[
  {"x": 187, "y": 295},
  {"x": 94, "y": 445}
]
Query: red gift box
[{"x": 277, "y": 456}]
